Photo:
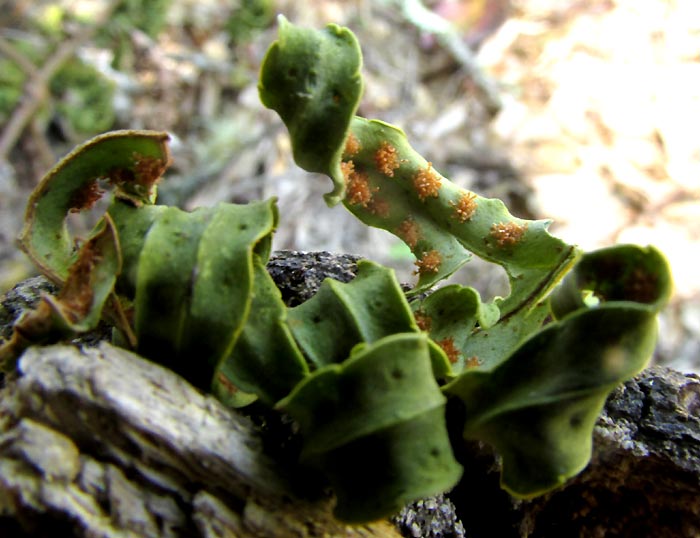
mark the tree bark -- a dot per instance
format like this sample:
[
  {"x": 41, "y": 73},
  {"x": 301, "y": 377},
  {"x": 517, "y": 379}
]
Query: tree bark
[{"x": 101, "y": 443}]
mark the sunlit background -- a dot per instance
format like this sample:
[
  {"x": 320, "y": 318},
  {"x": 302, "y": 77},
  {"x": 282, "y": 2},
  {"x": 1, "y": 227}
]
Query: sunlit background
[{"x": 585, "y": 112}]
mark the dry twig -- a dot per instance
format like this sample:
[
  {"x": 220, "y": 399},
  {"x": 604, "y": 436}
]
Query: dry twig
[
  {"x": 421, "y": 17},
  {"x": 36, "y": 87}
]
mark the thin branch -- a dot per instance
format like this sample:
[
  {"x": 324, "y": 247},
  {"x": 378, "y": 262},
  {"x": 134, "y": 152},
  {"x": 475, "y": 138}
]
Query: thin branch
[
  {"x": 24, "y": 63},
  {"x": 42, "y": 149},
  {"x": 36, "y": 87},
  {"x": 417, "y": 14}
]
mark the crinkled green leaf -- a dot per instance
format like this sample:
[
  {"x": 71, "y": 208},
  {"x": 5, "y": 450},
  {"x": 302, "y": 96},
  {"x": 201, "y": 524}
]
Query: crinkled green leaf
[
  {"x": 312, "y": 80},
  {"x": 90, "y": 280},
  {"x": 223, "y": 284},
  {"x": 132, "y": 224},
  {"x": 539, "y": 407},
  {"x": 187, "y": 278},
  {"x": 470, "y": 331},
  {"x": 167, "y": 268},
  {"x": 487, "y": 347},
  {"x": 390, "y": 186},
  {"x": 391, "y": 209},
  {"x": 340, "y": 316},
  {"x": 371, "y": 412},
  {"x": 450, "y": 316},
  {"x": 375, "y": 425},
  {"x": 194, "y": 284},
  {"x": 131, "y": 160},
  {"x": 265, "y": 360},
  {"x": 435, "y": 223},
  {"x": 617, "y": 273}
]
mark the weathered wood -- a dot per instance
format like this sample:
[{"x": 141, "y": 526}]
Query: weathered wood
[{"x": 104, "y": 443}]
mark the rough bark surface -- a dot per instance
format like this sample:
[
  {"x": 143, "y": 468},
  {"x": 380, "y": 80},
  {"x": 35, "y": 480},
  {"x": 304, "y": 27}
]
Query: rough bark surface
[{"x": 98, "y": 442}]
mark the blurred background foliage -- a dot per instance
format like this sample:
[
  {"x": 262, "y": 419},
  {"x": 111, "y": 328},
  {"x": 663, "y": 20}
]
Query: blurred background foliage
[
  {"x": 79, "y": 95},
  {"x": 82, "y": 89},
  {"x": 580, "y": 111}
]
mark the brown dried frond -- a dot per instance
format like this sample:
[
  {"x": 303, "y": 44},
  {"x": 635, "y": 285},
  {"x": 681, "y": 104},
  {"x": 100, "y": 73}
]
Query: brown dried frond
[
  {"x": 387, "y": 159},
  {"x": 465, "y": 207},
  {"x": 448, "y": 346},
  {"x": 429, "y": 262},
  {"x": 507, "y": 234},
  {"x": 77, "y": 294},
  {"x": 86, "y": 197},
  {"x": 352, "y": 146},
  {"x": 427, "y": 183},
  {"x": 409, "y": 232}
]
